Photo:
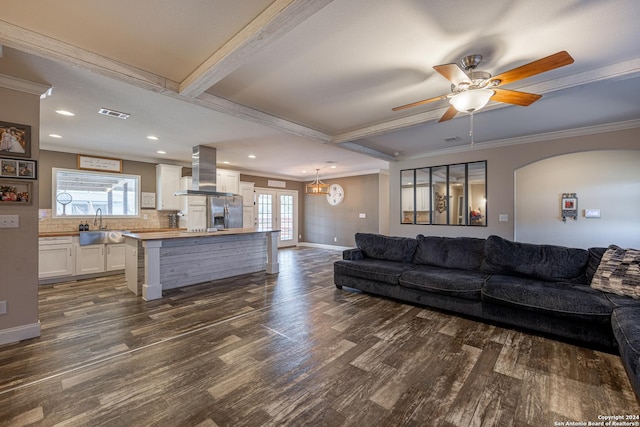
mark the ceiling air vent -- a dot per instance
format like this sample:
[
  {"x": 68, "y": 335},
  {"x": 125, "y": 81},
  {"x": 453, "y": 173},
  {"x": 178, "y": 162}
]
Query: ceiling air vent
[
  {"x": 453, "y": 139},
  {"x": 113, "y": 113}
]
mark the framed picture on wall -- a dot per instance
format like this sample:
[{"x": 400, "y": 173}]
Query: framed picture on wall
[
  {"x": 15, "y": 192},
  {"x": 15, "y": 139},
  {"x": 15, "y": 168}
]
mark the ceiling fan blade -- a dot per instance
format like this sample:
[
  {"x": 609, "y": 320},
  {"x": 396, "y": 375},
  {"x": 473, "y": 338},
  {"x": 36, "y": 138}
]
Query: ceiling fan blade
[
  {"x": 449, "y": 114},
  {"x": 515, "y": 97},
  {"x": 548, "y": 63},
  {"x": 415, "y": 104},
  {"x": 452, "y": 72}
]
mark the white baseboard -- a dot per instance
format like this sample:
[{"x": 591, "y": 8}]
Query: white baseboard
[
  {"x": 321, "y": 246},
  {"x": 19, "y": 333}
]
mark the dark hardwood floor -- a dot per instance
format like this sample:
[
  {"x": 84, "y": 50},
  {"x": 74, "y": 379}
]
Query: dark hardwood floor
[{"x": 290, "y": 349}]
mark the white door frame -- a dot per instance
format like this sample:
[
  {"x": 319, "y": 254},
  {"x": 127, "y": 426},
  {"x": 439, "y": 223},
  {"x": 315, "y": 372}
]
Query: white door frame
[{"x": 284, "y": 240}]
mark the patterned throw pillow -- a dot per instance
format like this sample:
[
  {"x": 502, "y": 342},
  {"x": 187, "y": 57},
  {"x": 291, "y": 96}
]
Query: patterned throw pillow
[{"x": 619, "y": 272}]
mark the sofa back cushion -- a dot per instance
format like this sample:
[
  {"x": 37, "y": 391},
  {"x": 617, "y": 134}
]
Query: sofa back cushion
[
  {"x": 464, "y": 253},
  {"x": 543, "y": 262},
  {"x": 619, "y": 272},
  {"x": 388, "y": 248}
]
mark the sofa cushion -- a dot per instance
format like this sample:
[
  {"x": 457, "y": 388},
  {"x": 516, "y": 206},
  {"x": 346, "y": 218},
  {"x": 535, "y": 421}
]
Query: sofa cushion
[
  {"x": 619, "y": 272},
  {"x": 445, "y": 281},
  {"x": 544, "y": 262},
  {"x": 626, "y": 329},
  {"x": 377, "y": 270},
  {"x": 595, "y": 255},
  {"x": 561, "y": 299},
  {"x": 464, "y": 253},
  {"x": 388, "y": 248}
]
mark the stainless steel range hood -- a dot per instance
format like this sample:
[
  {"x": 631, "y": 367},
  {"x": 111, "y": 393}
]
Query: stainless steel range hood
[{"x": 203, "y": 161}]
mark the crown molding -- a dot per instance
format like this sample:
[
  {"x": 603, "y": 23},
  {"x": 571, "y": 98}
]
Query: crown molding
[
  {"x": 21, "y": 85},
  {"x": 529, "y": 139}
]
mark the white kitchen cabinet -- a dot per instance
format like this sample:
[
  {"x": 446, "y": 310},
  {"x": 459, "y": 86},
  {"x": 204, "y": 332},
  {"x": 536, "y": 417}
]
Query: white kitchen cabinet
[
  {"x": 194, "y": 208},
  {"x": 197, "y": 218},
  {"x": 115, "y": 256},
  {"x": 248, "y": 217},
  {"x": 227, "y": 181},
  {"x": 55, "y": 257},
  {"x": 89, "y": 259},
  {"x": 167, "y": 184},
  {"x": 248, "y": 194}
]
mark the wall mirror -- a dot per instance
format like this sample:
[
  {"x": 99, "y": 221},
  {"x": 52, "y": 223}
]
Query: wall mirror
[{"x": 445, "y": 195}]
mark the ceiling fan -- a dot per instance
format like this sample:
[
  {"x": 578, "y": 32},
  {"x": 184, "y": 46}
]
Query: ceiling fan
[{"x": 471, "y": 90}]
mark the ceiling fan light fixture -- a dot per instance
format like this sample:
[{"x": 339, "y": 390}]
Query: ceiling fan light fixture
[{"x": 470, "y": 101}]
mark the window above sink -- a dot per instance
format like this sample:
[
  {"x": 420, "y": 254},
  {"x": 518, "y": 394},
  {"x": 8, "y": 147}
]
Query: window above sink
[{"x": 81, "y": 193}]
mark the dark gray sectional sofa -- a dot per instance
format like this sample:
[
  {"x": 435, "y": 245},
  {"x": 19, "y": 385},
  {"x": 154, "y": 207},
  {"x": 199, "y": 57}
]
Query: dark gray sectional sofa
[{"x": 543, "y": 288}]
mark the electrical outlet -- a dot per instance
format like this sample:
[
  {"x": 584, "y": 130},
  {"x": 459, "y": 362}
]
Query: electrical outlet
[
  {"x": 9, "y": 221},
  {"x": 145, "y": 216},
  {"x": 3, "y": 307}
]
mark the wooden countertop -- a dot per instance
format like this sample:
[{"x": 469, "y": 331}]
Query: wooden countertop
[
  {"x": 182, "y": 234},
  {"x": 77, "y": 233}
]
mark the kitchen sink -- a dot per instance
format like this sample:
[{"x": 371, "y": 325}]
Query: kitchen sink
[{"x": 101, "y": 236}]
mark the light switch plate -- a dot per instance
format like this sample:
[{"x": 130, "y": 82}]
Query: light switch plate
[
  {"x": 503, "y": 217},
  {"x": 3, "y": 307},
  {"x": 9, "y": 221},
  {"x": 362, "y": 215},
  {"x": 592, "y": 213}
]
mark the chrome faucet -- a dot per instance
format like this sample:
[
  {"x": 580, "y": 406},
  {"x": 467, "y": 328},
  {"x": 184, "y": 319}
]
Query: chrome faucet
[{"x": 95, "y": 220}]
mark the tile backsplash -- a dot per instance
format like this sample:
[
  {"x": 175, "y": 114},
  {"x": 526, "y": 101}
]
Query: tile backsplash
[{"x": 155, "y": 219}]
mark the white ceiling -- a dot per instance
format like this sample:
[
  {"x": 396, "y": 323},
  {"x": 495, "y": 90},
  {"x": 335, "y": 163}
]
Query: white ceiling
[{"x": 301, "y": 83}]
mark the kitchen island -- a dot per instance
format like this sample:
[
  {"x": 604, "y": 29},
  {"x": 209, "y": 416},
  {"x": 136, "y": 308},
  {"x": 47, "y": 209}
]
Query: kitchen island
[{"x": 172, "y": 259}]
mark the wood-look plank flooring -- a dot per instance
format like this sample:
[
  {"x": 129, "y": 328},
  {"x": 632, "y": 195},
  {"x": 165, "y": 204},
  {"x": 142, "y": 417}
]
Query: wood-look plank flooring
[{"x": 290, "y": 349}]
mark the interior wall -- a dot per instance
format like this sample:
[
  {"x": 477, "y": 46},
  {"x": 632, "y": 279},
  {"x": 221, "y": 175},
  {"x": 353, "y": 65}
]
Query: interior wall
[
  {"x": 608, "y": 180},
  {"x": 383, "y": 204},
  {"x": 56, "y": 159},
  {"x": 337, "y": 225},
  {"x": 502, "y": 162},
  {"x": 19, "y": 248}
]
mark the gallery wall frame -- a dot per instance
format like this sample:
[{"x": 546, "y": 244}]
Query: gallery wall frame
[
  {"x": 15, "y": 192},
  {"x": 15, "y": 139},
  {"x": 18, "y": 168}
]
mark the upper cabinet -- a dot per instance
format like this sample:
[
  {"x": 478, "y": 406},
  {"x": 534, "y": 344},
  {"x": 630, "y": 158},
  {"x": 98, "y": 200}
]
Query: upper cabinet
[
  {"x": 227, "y": 181},
  {"x": 167, "y": 184}
]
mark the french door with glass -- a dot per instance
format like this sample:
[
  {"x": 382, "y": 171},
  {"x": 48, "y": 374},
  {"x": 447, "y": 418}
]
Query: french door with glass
[{"x": 278, "y": 209}]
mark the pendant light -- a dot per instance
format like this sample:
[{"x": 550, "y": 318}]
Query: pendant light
[{"x": 317, "y": 187}]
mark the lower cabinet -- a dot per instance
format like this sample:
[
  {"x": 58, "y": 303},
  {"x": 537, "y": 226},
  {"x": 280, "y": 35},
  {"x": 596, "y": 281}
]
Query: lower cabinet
[
  {"x": 89, "y": 259},
  {"x": 114, "y": 258},
  {"x": 55, "y": 258},
  {"x": 93, "y": 259},
  {"x": 60, "y": 257}
]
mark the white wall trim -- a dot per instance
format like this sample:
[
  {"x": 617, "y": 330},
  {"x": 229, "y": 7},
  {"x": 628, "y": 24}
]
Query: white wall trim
[
  {"x": 19, "y": 333},
  {"x": 541, "y": 137},
  {"x": 322, "y": 246},
  {"x": 21, "y": 85}
]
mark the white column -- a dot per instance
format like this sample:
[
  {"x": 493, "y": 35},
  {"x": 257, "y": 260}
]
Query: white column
[
  {"x": 152, "y": 288},
  {"x": 272, "y": 252}
]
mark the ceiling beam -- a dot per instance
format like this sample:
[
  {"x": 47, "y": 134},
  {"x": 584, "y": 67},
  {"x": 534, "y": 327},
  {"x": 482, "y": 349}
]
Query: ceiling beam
[
  {"x": 617, "y": 71},
  {"x": 46, "y": 47},
  {"x": 274, "y": 22}
]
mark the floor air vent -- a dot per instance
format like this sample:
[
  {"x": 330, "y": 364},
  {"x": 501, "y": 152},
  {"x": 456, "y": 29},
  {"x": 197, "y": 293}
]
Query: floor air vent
[{"x": 113, "y": 113}]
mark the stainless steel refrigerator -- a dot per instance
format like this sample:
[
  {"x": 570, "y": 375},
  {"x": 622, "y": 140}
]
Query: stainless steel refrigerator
[{"x": 226, "y": 211}]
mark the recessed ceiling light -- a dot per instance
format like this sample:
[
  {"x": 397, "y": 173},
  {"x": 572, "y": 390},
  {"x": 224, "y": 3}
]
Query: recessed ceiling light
[
  {"x": 65, "y": 113},
  {"x": 161, "y": 152},
  {"x": 153, "y": 138},
  {"x": 53, "y": 135},
  {"x": 226, "y": 163},
  {"x": 303, "y": 171},
  {"x": 252, "y": 156},
  {"x": 333, "y": 166}
]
